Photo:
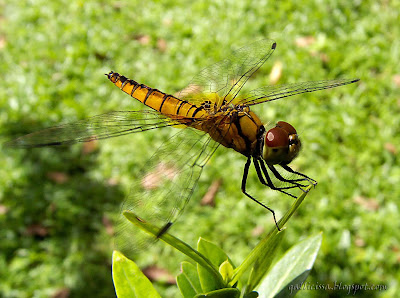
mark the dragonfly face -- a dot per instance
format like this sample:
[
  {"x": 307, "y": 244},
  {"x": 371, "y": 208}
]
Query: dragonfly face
[
  {"x": 281, "y": 144},
  {"x": 212, "y": 112}
]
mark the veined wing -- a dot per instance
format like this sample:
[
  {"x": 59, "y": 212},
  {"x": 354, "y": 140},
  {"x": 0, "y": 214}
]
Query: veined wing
[
  {"x": 224, "y": 79},
  {"x": 98, "y": 127},
  {"x": 269, "y": 93},
  {"x": 162, "y": 192}
]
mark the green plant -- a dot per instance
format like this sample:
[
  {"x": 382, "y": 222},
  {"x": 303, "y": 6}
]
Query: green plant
[{"x": 215, "y": 274}]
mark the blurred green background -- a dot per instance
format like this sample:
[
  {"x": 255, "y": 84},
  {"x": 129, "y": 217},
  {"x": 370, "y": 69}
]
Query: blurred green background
[{"x": 58, "y": 205}]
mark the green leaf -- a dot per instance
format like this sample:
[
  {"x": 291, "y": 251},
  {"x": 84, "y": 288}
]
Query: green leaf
[
  {"x": 222, "y": 293},
  {"x": 264, "y": 261},
  {"x": 188, "y": 280},
  {"x": 285, "y": 278},
  {"x": 294, "y": 207},
  {"x": 216, "y": 256},
  {"x": 206, "y": 264},
  {"x": 213, "y": 252},
  {"x": 129, "y": 281},
  {"x": 226, "y": 270}
]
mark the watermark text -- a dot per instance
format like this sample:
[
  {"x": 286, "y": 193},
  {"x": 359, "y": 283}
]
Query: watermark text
[{"x": 350, "y": 289}]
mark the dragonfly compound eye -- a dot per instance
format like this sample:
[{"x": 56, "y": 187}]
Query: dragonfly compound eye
[
  {"x": 281, "y": 144},
  {"x": 286, "y": 126}
]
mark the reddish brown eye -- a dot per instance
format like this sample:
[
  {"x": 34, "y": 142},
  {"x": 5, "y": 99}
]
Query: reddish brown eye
[
  {"x": 277, "y": 137},
  {"x": 281, "y": 144},
  {"x": 286, "y": 126}
]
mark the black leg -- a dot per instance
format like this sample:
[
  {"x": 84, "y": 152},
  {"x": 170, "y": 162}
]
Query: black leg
[
  {"x": 244, "y": 180},
  {"x": 291, "y": 181},
  {"x": 259, "y": 174},
  {"x": 280, "y": 177},
  {"x": 269, "y": 182},
  {"x": 290, "y": 170}
]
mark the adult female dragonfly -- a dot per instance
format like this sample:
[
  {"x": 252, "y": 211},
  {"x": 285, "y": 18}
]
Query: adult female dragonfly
[{"x": 217, "y": 115}]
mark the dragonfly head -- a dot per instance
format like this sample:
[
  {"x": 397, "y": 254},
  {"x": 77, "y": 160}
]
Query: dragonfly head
[{"x": 281, "y": 144}]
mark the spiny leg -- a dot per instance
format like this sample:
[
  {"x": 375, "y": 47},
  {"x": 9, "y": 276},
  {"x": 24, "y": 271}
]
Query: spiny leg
[
  {"x": 269, "y": 182},
  {"x": 244, "y": 180},
  {"x": 290, "y": 170},
  {"x": 280, "y": 177},
  {"x": 283, "y": 179}
]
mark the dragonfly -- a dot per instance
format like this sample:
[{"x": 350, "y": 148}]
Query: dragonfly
[{"x": 211, "y": 112}]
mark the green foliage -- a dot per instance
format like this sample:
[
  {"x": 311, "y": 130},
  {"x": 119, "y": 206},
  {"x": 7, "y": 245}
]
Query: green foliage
[
  {"x": 53, "y": 56},
  {"x": 291, "y": 271},
  {"x": 129, "y": 281},
  {"x": 216, "y": 275},
  {"x": 188, "y": 280}
]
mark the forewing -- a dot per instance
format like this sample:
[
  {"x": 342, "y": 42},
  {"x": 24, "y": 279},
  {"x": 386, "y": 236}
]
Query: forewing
[
  {"x": 224, "y": 79},
  {"x": 269, "y": 93},
  {"x": 98, "y": 127},
  {"x": 165, "y": 186}
]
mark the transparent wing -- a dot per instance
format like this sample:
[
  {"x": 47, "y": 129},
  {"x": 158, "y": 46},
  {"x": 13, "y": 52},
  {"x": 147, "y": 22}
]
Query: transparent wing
[
  {"x": 269, "y": 93},
  {"x": 102, "y": 126},
  {"x": 162, "y": 192},
  {"x": 224, "y": 79}
]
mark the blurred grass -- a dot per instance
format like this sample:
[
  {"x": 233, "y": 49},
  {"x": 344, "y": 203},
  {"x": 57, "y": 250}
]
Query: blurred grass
[{"x": 53, "y": 57}]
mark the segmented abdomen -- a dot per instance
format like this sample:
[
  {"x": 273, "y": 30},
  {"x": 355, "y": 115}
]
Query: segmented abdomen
[{"x": 164, "y": 103}]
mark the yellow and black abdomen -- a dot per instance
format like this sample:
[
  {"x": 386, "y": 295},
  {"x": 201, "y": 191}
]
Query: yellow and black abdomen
[{"x": 164, "y": 103}]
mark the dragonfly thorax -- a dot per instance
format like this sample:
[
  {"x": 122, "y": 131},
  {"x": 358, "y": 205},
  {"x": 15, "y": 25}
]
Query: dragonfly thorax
[{"x": 281, "y": 144}]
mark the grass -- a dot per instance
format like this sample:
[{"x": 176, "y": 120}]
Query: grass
[{"x": 54, "y": 202}]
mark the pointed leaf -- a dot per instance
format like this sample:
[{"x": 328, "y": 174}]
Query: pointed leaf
[
  {"x": 188, "y": 280},
  {"x": 264, "y": 261},
  {"x": 296, "y": 204},
  {"x": 291, "y": 270},
  {"x": 226, "y": 271},
  {"x": 265, "y": 250},
  {"x": 129, "y": 281},
  {"x": 213, "y": 252}
]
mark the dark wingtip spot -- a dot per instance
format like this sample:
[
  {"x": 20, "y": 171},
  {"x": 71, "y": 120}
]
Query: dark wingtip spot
[
  {"x": 273, "y": 46},
  {"x": 139, "y": 219},
  {"x": 164, "y": 229},
  {"x": 355, "y": 80}
]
